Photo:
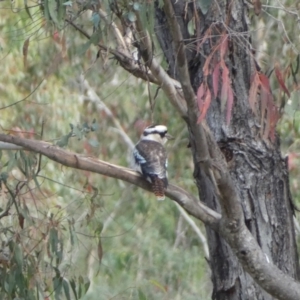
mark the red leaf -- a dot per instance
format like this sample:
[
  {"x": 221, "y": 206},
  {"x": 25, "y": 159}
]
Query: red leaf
[
  {"x": 274, "y": 116},
  {"x": 264, "y": 100},
  {"x": 215, "y": 78},
  {"x": 265, "y": 83},
  {"x": 293, "y": 160},
  {"x": 200, "y": 95},
  {"x": 229, "y": 105},
  {"x": 25, "y": 52},
  {"x": 225, "y": 85},
  {"x": 281, "y": 81},
  {"x": 205, "y": 106},
  {"x": 257, "y": 6},
  {"x": 206, "y": 70},
  {"x": 21, "y": 220},
  {"x": 253, "y": 92},
  {"x": 99, "y": 251},
  {"x": 224, "y": 46}
]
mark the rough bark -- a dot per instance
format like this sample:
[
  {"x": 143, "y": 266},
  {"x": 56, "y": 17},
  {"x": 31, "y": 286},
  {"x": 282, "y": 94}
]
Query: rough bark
[{"x": 255, "y": 163}]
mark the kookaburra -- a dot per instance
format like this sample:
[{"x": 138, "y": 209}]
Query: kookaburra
[{"x": 150, "y": 158}]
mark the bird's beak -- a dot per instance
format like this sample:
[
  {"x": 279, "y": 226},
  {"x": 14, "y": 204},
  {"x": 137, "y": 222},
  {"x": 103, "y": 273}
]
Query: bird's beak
[{"x": 169, "y": 137}]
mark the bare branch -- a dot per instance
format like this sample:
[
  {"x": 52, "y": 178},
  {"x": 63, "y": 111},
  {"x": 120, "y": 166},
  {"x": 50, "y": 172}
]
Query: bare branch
[
  {"x": 8, "y": 146},
  {"x": 125, "y": 60},
  {"x": 192, "y": 223},
  {"x": 102, "y": 106},
  {"x": 190, "y": 203},
  {"x": 184, "y": 77},
  {"x": 257, "y": 264}
]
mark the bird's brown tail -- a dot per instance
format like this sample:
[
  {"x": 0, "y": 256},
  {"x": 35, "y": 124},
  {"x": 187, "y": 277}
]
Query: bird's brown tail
[{"x": 158, "y": 187}]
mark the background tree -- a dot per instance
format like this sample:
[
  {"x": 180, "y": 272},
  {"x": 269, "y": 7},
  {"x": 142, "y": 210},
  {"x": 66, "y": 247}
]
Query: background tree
[{"x": 213, "y": 82}]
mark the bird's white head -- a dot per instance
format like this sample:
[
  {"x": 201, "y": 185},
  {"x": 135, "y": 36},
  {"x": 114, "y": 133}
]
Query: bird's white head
[{"x": 158, "y": 133}]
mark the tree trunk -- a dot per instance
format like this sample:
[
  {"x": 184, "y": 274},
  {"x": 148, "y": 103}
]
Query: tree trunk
[{"x": 255, "y": 162}]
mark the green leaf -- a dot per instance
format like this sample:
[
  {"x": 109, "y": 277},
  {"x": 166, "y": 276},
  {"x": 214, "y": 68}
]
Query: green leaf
[
  {"x": 95, "y": 20},
  {"x": 94, "y": 143},
  {"x": 57, "y": 286},
  {"x": 99, "y": 229},
  {"x": 80, "y": 287},
  {"x": 18, "y": 256},
  {"x": 45, "y": 10},
  {"x": 73, "y": 286},
  {"x": 83, "y": 48},
  {"x": 87, "y": 285},
  {"x": 53, "y": 239},
  {"x": 94, "y": 126},
  {"x": 68, "y": 3},
  {"x": 136, "y": 6},
  {"x": 61, "y": 13},
  {"x": 4, "y": 176},
  {"x": 78, "y": 132},
  {"x": 131, "y": 16},
  {"x": 12, "y": 163},
  {"x": 204, "y": 5},
  {"x": 27, "y": 9},
  {"x": 53, "y": 10},
  {"x": 142, "y": 296},
  {"x": 158, "y": 285},
  {"x": 66, "y": 289},
  {"x": 63, "y": 142},
  {"x": 96, "y": 37},
  {"x": 71, "y": 231},
  {"x": 191, "y": 27}
]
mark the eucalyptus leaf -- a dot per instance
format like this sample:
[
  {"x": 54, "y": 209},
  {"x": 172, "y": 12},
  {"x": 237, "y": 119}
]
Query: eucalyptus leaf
[
  {"x": 131, "y": 16},
  {"x": 45, "y": 9},
  {"x": 63, "y": 142},
  {"x": 204, "y": 5},
  {"x": 96, "y": 37},
  {"x": 78, "y": 132},
  {"x": 94, "y": 143},
  {"x": 66, "y": 289},
  {"x": 52, "y": 7},
  {"x": 68, "y": 3},
  {"x": 73, "y": 286},
  {"x": 3, "y": 176},
  {"x": 57, "y": 285},
  {"x": 99, "y": 229},
  {"x": 191, "y": 27},
  {"x": 12, "y": 163},
  {"x": 83, "y": 48},
  {"x": 27, "y": 9},
  {"x": 141, "y": 294},
  {"x": 61, "y": 13},
  {"x": 94, "y": 125},
  {"x": 18, "y": 256},
  {"x": 136, "y": 6},
  {"x": 95, "y": 19}
]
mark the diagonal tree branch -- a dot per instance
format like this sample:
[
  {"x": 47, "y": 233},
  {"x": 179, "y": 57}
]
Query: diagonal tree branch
[
  {"x": 256, "y": 263},
  {"x": 125, "y": 60},
  {"x": 74, "y": 160}
]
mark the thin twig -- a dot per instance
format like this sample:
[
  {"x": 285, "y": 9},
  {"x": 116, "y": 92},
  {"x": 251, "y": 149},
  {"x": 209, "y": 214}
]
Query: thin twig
[{"x": 191, "y": 222}]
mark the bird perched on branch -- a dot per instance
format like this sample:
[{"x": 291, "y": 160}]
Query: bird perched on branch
[{"x": 150, "y": 158}]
